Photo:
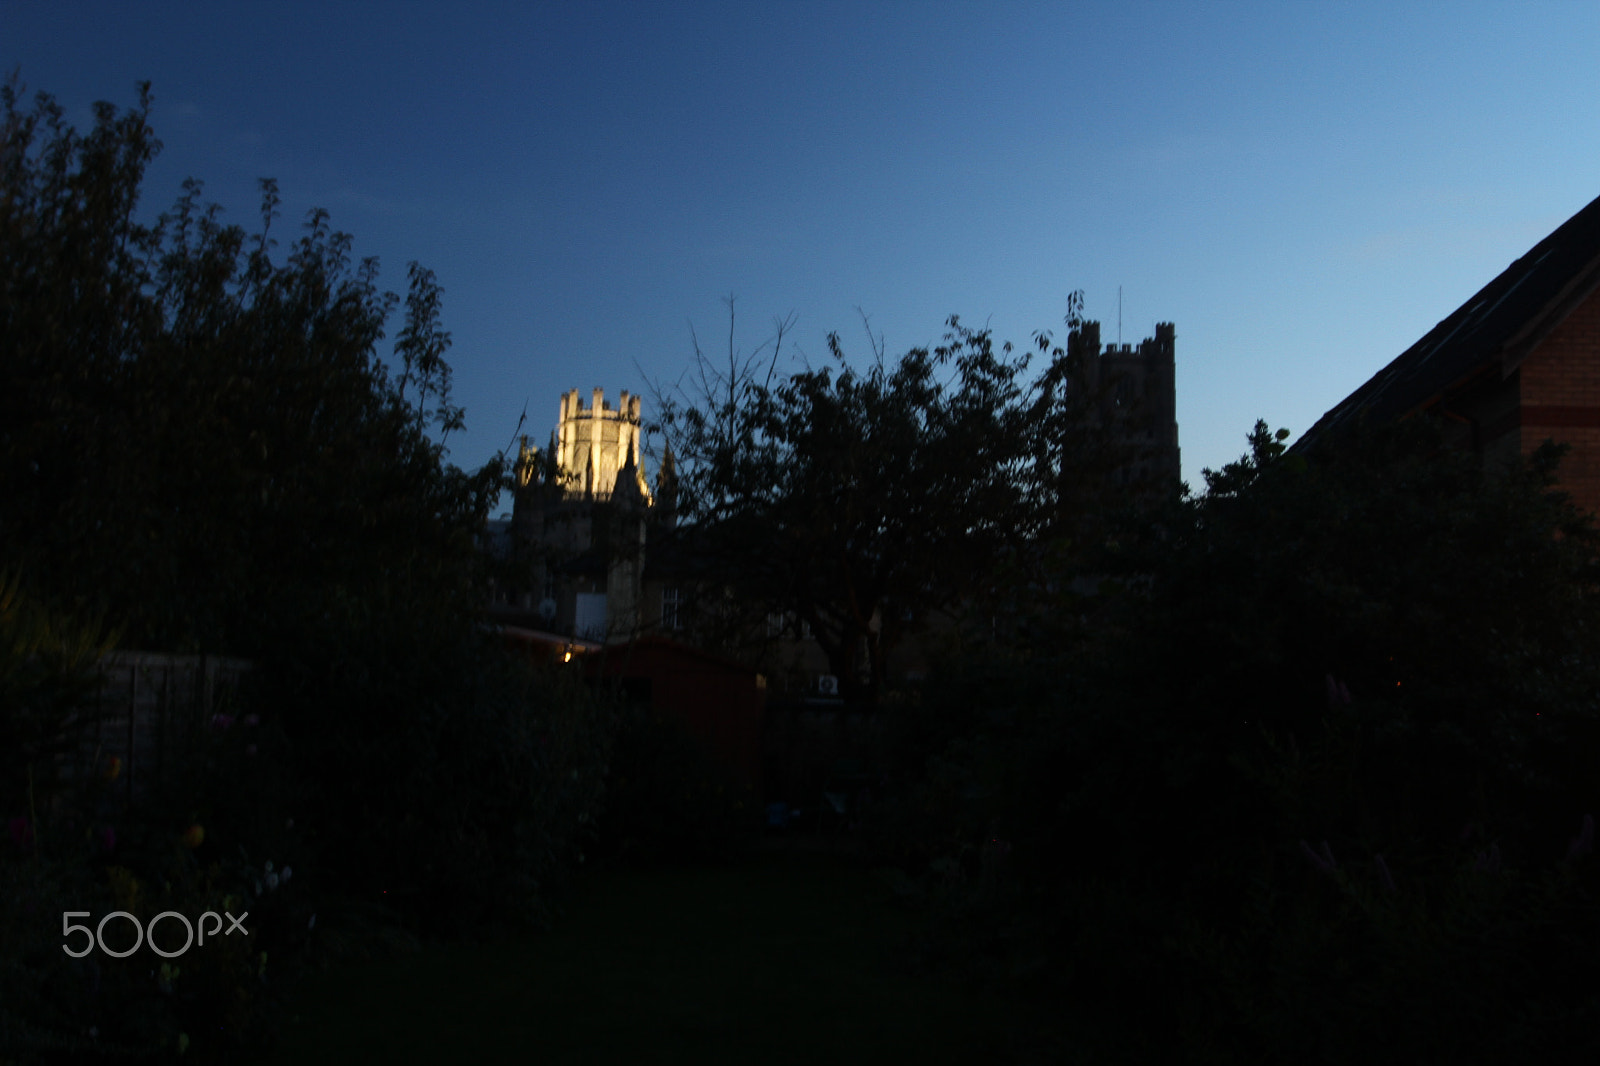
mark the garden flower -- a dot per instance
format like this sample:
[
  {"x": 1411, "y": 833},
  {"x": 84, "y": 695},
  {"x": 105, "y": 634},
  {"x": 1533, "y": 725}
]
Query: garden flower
[
  {"x": 21, "y": 831},
  {"x": 194, "y": 836},
  {"x": 283, "y": 875},
  {"x": 272, "y": 882},
  {"x": 252, "y": 719},
  {"x": 1384, "y": 875},
  {"x": 1583, "y": 843},
  {"x": 1323, "y": 861},
  {"x": 221, "y": 721},
  {"x": 113, "y": 768},
  {"x": 108, "y": 838}
]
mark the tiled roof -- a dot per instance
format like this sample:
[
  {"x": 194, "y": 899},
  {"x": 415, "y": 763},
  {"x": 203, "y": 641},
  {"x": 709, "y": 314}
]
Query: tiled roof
[{"x": 1491, "y": 332}]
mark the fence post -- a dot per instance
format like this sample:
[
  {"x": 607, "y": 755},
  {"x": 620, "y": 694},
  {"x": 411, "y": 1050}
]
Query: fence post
[{"x": 133, "y": 706}]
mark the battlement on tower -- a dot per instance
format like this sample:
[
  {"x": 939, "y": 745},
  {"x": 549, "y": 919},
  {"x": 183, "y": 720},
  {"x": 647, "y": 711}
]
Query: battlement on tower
[
  {"x": 596, "y": 443},
  {"x": 1140, "y": 383}
]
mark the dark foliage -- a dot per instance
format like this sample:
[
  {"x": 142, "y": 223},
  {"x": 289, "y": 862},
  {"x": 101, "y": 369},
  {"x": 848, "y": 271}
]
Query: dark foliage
[
  {"x": 201, "y": 444},
  {"x": 1319, "y": 783},
  {"x": 200, "y": 440},
  {"x": 667, "y": 801},
  {"x": 849, "y": 498},
  {"x": 80, "y": 850},
  {"x": 449, "y": 782}
]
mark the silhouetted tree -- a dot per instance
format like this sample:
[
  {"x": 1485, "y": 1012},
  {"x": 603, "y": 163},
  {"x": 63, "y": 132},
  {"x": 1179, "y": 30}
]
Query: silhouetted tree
[
  {"x": 200, "y": 442},
  {"x": 199, "y": 437},
  {"x": 1325, "y": 768},
  {"x": 851, "y": 497}
]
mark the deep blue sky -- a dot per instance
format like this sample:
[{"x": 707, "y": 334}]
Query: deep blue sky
[{"x": 1304, "y": 189}]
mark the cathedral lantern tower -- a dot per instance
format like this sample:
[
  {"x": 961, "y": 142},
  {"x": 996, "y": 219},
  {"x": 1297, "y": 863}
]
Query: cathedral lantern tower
[
  {"x": 595, "y": 444},
  {"x": 581, "y": 515}
]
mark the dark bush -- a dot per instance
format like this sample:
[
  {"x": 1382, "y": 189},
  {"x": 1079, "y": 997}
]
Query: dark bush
[
  {"x": 81, "y": 846},
  {"x": 447, "y": 780},
  {"x": 204, "y": 444},
  {"x": 667, "y": 801},
  {"x": 1385, "y": 648}
]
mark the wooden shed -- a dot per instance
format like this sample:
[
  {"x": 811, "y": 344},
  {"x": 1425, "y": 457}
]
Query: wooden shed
[{"x": 717, "y": 701}]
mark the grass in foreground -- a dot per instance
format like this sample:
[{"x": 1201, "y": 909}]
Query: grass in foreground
[{"x": 785, "y": 958}]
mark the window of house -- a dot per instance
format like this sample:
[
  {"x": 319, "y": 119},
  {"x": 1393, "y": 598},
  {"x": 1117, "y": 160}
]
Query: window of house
[
  {"x": 591, "y": 618},
  {"x": 670, "y": 618},
  {"x": 774, "y": 623}
]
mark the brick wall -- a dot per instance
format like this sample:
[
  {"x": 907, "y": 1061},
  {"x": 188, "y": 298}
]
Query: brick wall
[{"x": 1560, "y": 396}]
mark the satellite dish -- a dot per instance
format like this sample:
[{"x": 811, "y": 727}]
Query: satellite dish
[{"x": 547, "y": 608}]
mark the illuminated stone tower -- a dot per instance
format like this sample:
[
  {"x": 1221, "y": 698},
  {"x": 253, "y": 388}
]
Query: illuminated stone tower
[
  {"x": 579, "y": 517},
  {"x": 595, "y": 444}
]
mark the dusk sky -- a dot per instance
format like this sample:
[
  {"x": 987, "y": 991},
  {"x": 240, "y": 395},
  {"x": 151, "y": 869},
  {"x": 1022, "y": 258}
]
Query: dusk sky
[{"x": 1304, "y": 189}]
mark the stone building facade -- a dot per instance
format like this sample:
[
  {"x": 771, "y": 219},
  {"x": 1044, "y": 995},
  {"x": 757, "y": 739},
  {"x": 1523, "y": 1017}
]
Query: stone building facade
[{"x": 577, "y": 532}]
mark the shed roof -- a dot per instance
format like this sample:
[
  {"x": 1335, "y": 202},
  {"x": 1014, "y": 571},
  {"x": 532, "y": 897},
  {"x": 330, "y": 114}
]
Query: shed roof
[{"x": 652, "y": 654}]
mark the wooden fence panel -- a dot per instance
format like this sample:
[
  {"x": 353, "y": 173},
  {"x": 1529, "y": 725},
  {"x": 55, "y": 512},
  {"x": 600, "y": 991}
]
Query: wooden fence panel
[{"x": 147, "y": 703}]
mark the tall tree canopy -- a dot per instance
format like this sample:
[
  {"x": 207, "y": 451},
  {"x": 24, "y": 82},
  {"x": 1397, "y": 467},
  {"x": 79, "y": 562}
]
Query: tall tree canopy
[
  {"x": 851, "y": 498},
  {"x": 198, "y": 434}
]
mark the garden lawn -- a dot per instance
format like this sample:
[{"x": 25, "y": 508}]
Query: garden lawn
[{"x": 784, "y": 958}]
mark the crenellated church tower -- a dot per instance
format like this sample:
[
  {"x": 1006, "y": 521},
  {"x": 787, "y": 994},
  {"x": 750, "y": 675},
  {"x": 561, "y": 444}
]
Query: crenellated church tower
[{"x": 1136, "y": 391}]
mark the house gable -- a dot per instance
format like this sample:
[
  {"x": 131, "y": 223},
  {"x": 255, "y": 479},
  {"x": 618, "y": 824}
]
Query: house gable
[
  {"x": 1489, "y": 335},
  {"x": 1560, "y": 398},
  {"x": 1516, "y": 364}
]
